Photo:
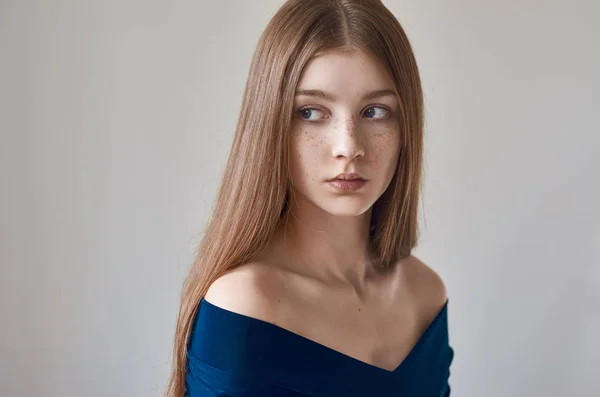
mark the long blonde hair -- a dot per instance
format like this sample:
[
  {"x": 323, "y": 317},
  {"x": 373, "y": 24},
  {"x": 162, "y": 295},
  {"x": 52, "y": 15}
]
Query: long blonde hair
[{"x": 249, "y": 205}]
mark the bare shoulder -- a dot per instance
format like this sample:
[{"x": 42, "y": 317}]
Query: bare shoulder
[
  {"x": 426, "y": 285},
  {"x": 249, "y": 289}
]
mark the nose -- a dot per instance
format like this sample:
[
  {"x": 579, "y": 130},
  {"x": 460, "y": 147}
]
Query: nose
[{"x": 346, "y": 139}]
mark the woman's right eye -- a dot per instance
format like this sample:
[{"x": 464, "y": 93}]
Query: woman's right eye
[{"x": 306, "y": 113}]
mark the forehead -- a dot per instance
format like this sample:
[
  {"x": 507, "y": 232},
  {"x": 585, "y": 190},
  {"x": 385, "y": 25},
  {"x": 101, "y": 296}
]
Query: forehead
[{"x": 345, "y": 73}]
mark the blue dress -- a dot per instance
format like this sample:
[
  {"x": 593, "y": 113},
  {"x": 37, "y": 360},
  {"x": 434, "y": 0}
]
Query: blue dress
[{"x": 233, "y": 355}]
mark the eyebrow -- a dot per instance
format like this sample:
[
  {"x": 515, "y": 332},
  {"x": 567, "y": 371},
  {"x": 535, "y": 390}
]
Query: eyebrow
[{"x": 331, "y": 98}]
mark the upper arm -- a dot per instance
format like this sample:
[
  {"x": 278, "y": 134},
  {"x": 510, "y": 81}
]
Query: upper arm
[{"x": 248, "y": 289}]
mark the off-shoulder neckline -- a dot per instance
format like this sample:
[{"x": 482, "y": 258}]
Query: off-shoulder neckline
[{"x": 317, "y": 345}]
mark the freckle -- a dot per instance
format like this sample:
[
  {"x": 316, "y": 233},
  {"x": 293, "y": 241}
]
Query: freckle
[{"x": 359, "y": 309}]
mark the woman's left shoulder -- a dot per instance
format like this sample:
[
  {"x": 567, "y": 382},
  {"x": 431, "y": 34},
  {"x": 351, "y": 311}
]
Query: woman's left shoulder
[{"x": 426, "y": 284}]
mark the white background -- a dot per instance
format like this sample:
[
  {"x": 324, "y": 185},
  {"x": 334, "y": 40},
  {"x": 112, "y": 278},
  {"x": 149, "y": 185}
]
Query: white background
[{"x": 116, "y": 118}]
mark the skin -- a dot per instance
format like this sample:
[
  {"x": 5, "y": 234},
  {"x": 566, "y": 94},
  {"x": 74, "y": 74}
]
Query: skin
[
  {"x": 316, "y": 277},
  {"x": 327, "y": 231}
]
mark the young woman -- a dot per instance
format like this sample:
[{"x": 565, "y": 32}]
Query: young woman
[{"x": 304, "y": 283}]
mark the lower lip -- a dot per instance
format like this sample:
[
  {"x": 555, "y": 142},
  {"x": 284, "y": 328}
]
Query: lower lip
[{"x": 347, "y": 186}]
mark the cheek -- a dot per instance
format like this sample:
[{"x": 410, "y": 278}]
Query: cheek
[
  {"x": 309, "y": 141},
  {"x": 306, "y": 148},
  {"x": 386, "y": 144}
]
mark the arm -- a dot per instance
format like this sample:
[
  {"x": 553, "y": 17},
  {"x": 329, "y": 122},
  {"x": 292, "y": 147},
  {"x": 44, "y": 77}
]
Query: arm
[{"x": 202, "y": 380}]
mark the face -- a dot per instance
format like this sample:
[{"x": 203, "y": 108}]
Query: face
[{"x": 345, "y": 120}]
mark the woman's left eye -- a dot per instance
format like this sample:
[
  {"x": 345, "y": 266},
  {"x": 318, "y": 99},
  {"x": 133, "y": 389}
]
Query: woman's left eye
[{"x": 371, "y": 111}]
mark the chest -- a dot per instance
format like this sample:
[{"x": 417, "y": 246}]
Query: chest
[{"x": 380, "y": 333}]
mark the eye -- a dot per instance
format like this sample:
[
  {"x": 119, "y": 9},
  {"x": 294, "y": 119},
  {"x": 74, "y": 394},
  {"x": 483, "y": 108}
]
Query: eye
[
  {"x": 383, "y": 113},
  {"x": 306, "y": 113}
]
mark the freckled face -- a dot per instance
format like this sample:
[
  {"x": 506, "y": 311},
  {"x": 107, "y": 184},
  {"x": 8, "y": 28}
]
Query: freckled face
[{"x": 350, "y": 132}]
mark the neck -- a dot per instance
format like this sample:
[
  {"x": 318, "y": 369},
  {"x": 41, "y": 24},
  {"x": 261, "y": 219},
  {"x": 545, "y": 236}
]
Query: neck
[{"x": 335, "y": 250}]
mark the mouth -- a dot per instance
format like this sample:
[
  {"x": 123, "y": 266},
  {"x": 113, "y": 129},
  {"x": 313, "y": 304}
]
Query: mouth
[
  {"x": 347, "y": 185},
  {"x": 352, "y": 176}
]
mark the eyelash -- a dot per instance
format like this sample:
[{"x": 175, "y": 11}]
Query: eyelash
[{"x": 316, "y": 121}]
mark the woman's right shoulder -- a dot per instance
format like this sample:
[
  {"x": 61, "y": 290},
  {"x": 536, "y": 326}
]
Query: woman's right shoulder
[
  {"x": 251, "y": 289},
  {"x": 226, "y": 354}
]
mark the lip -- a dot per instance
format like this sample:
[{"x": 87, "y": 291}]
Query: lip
[
  {"x": 348, "y": 176},
  {"x": 347, "y": 185}
]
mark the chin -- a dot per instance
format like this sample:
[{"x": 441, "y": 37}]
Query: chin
[
  {"x": 345, "y": 205},
  {"x": 354, "y": 208}
]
